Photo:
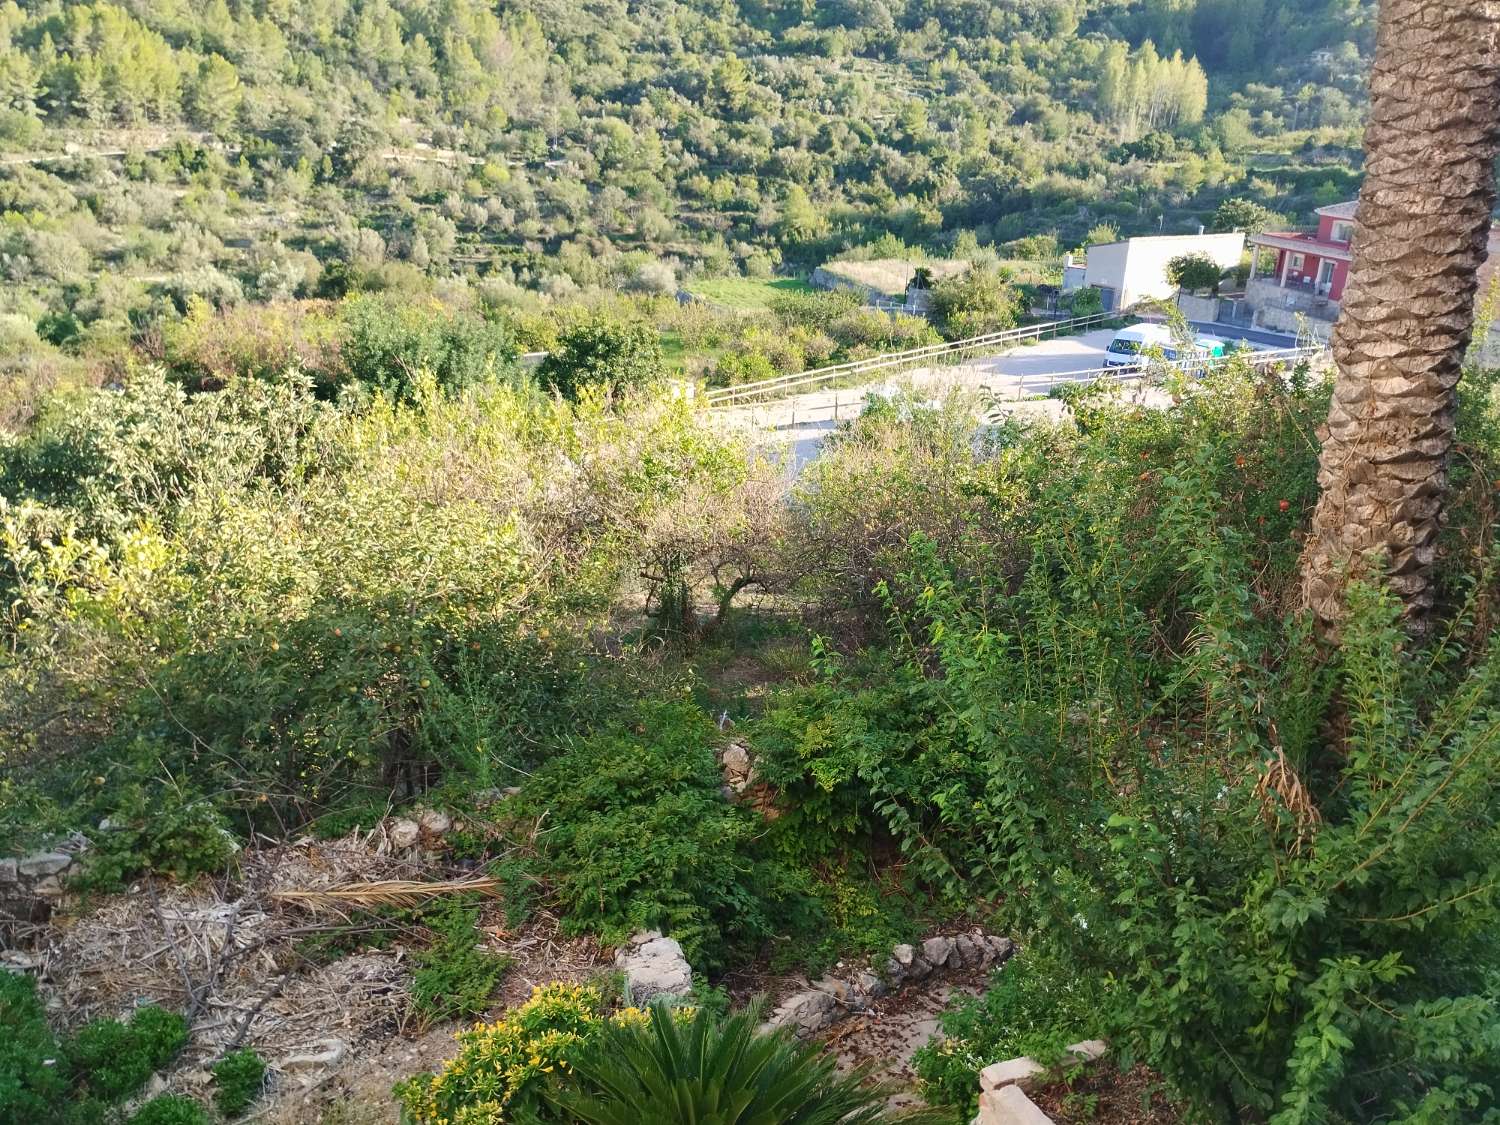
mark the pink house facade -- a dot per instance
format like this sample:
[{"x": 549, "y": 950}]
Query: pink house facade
[{"x": 1303, "y": 284}]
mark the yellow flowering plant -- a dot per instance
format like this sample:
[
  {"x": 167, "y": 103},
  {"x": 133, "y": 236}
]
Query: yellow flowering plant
[{"x": 501, "y": 1067}]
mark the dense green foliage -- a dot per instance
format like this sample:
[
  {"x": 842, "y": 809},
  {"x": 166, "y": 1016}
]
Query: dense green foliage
[
  {"x": 674, "y": 1069},
  {"x": 239, "y": 1078},
  {"x": 46, "y": 1078},
  {"x": 640, "y": 837},
  {"x": 170, "y": 1109},
  {"x": 116, "y": 1058},
  {"x": 261, "y": 554},
  {"x": 324, "y": 546},
  {"x": 30, "y": 1078},
  {"x": 1111, "y": 724},
  {"x": 163, "y": 155},
  {"x": 453, "y": 978}
]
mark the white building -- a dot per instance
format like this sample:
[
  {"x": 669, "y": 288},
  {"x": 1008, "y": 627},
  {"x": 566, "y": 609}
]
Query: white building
[{"x": 1135, "y": 270}]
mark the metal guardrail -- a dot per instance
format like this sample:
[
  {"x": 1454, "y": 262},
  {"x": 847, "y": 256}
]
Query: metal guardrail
[
  {"x": 789, "y": 414},
  {"x": 1137, "y": 371},
  {"x": 803, "y": 380}
]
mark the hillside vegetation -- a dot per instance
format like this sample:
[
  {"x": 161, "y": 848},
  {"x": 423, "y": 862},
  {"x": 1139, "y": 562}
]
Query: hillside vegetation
[
  {"x": 248, "y": 152},
  {"x": 297, "y": 545}
]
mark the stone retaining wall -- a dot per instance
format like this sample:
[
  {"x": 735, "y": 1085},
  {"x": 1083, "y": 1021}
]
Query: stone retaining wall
[
  {"x": 30, "y": 885},
  {"x": 830, "y": 999}
]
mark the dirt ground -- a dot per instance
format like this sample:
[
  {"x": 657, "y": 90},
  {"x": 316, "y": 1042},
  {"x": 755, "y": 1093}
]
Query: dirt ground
[{"x": 336, "y": 1028}]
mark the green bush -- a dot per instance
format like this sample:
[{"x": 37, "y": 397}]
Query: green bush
[
  {"x": 603, "y": 353},
  {"x": 1036, "y": 1006},
  {"x": 391, "y": 344},
  {"x": 1114, "y": 723},
  {"x": 114, "y": 1059},
  {"x": 452, "y": 977},
  {"x": 170, "y": 1109},
  {"x": 292, "y": 641},
  {"x": 34, "y": 1072},
  {"x": 975, "y": 303},
  {"x": 638, "y": 836},
  {"x": 683, "y": 1067},
  {"x": 239, "y": 1078}
]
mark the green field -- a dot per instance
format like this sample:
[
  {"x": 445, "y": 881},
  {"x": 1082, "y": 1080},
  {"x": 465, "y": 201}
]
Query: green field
[{"x": 746, "y": 293}]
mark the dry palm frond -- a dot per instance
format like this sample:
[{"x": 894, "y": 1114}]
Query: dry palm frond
[
  {"x": 388, "y": 892},
  {"x": 1279, "y": 784}
]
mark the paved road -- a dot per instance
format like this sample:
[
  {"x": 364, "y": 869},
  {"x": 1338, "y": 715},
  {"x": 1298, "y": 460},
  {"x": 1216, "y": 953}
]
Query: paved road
[{"x": 1016, "y": 380}]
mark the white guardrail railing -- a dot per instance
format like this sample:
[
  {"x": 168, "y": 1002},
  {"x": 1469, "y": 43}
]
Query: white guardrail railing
[
  {"x": 789, "y": 413},
  {"x": 805, "y": 380}
]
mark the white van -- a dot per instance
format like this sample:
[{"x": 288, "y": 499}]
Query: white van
[{"x": 1125, "y": 349}]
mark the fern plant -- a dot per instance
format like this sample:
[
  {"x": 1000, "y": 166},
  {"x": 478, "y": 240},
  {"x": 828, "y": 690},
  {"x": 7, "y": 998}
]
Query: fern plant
[{"x": 692, "y": 1068}]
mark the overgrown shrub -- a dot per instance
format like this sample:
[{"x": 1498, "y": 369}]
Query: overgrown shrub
[
  {"x": 974, "y": 303},
  {"x": 1036, "y": 1006},
  {"x": 34, "y": 1073},
  {"x": 282, "y": 642},
  {"x": 170, "y": 1109},
  {"x": 452, "y": 977},
  {"x": 604, "y": 353},
  {"x": 391, "y": 344},
  {"x": 239, "y": 1078},
  {"x": 1118, "y": 728},
  {"x": 639, "y": 837},
  {"x": 114, "y": 1059}
]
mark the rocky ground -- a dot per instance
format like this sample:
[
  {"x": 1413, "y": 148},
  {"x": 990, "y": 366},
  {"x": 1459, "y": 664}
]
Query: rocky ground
[{"x": 249, "y": 960}]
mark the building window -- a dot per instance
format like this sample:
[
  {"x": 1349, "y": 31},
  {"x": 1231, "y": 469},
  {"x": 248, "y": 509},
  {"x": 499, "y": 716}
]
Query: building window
[
  {"x": 1343, "y": 232},
  {"x": 1298, "y": 261}
]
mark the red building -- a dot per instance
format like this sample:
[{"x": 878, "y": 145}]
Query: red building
[{"x": 1310, "y": 263}]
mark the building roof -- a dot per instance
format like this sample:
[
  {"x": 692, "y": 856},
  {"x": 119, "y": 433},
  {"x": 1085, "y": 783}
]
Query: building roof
[
  {"x": 1302, "y": 243},
  {"x": 1340, "y": 210}
]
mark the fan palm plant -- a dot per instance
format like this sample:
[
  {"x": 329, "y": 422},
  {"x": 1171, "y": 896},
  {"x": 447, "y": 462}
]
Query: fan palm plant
[{"x": 681, "y": 1068}]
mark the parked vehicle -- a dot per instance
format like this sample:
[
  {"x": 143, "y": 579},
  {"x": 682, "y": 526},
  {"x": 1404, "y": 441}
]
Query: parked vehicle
[{"x": 1126, "y": 348}]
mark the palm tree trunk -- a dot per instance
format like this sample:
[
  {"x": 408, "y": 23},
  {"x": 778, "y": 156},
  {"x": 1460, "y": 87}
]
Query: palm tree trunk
[{"x": 1420, "y": 238}]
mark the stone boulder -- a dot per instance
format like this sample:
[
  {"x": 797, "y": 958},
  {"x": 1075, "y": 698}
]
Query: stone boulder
[{"x": 654, "y": 966}]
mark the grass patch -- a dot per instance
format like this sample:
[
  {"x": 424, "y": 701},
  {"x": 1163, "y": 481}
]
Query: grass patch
[{"x": 746, "y": 294}]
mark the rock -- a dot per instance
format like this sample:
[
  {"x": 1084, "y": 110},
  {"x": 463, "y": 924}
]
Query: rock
[
  {"x": 919, "y": 969},
  {"x": 434, "y": 823},
  {"x": 1002, "y": 948},
  {"x": 738, "y": 770},
  {"x": 871, "y": 985},
  {"x": 811, "y": 1011},
  {"x": 321, "y": 1053},
  {"x": 44, "y": 863},
  {"x": 654, "y": 966},
  {"x": 965, "y": 953},
  {"x": 50, "y": 887},
  {"x": 8, "y": 872},
  {"x": 1010, "y": 1106},
  {"x": 937, "y": 950},
  {"x": 840, "y": 990},
  {"x": 404, "y": 833},
  {"x": 1089, "y": 1050},
  {"x": 903, "y": 955},
  {"x": 1010, "y": 1071}
]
